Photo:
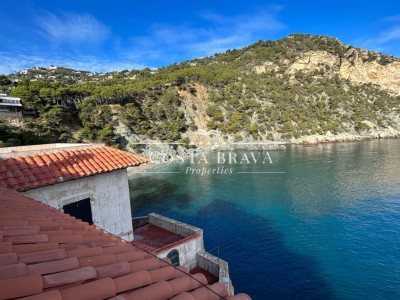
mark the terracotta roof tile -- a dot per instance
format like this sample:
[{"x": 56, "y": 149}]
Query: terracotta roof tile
[
  {"x": 57, "y": 232},
  {"x": 22, "y": 163},
  {"x": 105, "y": 244},
  {"x": 187, "y": 283},
  {"x": 158, "y": 290},
  {"x": 167, "y": 273},
  {"x": 240, "y": 296},
  {"x": 166, "y": 289},
  {"x": 53, "y": 266},
  {"x": 97, "y": 261},
  {"x": 147, "y": 264},
  {"x": 87, "y": 161},
  {"x": 21, "y": 286},
  {"x": 31, "y": 248},
  {"x": 8, "y": 259},
  {"x": 68, "y": 277},
  {"x": 12, "y": 271},
  {"x": 130, "y": 256},
  {"x": 112, "y": 250},
  {"x": 113, "y": 270},
  {"x": 64, "y": 239},
  {"x": 84, "y": 252},
  {"x": 14, "y": 232},
  {"x": 206, "y": 292},
  {"x": 68, "y": 267},
  {"x": 99, "y": 289},
  {"x": 132, "y": 281},
  {"x": 27, "y": 239},
  {"x": 68, "y": 225},
  {"x": 5, "y": 247},
  {"x": 42, "y": 256},
  {"x": 52, "y": 295},
  {"x": 23, "y": 173},
  {"x": 184, "y": 296},
  {"x": 38, "y": 159},
  {"x": 35, "y": 170}
]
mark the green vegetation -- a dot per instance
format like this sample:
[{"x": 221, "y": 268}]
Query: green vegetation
[{"x": 81, "y": 106}]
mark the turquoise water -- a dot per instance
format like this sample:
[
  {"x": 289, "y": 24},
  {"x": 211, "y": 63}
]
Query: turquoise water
[{"x": 326, "y": 228}]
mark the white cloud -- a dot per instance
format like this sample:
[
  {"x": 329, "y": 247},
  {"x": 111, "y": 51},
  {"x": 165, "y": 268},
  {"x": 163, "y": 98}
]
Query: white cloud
[
  {"x": 395, "y": 18},
  {"x": 218, "y": 33},
  {"x": 387, "y": 39},
  {"x": 389, "y": 35},
  {"x": 381, "y": 40},
  {"x": 71, "y": 28}
]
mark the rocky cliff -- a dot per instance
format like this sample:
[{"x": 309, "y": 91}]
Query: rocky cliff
[{"x": 353, "y": 67}]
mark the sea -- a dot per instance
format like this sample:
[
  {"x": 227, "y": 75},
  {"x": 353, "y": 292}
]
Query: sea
[{"x": 308, "y": 222}]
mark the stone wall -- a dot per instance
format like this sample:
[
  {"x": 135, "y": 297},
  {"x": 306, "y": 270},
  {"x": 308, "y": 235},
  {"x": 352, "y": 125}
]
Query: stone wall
[
  {"x": 173, "y": 225},
  {"x": 10, "y": 116},
  {"x": 109, "y": 199},
  {"x": 217, "y": 267}
]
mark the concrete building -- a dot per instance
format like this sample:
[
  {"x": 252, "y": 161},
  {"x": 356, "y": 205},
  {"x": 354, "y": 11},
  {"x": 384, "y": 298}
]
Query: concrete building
[
  {"x": 10, "y": 108},
  {"x": 88, "y": 181}
]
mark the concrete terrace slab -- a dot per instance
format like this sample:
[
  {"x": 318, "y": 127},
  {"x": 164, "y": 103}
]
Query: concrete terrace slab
[{"x": 155, "y": 236}]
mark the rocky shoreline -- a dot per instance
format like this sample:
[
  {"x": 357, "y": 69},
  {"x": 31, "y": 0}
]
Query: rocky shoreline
[
  {"x": 172, "y": 154},
  {"x": 346, "y": 137}
]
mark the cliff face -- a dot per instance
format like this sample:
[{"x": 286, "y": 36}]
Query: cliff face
[
  {"x": 356, "y": 66},
  {"x": 195, "y": 106},
  {"x": 351, "y": 67}
]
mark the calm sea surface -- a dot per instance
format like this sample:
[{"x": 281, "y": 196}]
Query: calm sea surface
[{"x": 326, "y": 228}]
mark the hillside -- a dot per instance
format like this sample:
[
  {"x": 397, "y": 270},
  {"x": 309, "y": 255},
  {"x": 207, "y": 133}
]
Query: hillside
[{"x": 301, "y": 88}]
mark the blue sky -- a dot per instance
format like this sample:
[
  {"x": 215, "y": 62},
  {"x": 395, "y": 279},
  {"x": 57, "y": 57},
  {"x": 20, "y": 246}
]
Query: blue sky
[{"x": 116, "y": 35}]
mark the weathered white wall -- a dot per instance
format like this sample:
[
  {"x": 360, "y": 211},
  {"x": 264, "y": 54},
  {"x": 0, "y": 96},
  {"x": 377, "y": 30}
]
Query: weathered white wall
[
  {"x": 187, "y": 252},
  {"x": 109, "y": 198}
]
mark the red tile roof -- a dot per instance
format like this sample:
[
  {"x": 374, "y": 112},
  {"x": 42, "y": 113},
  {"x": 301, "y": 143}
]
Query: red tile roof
[
  {"x": 24, "y": 173},
  {"x": 46, "y": 254}
]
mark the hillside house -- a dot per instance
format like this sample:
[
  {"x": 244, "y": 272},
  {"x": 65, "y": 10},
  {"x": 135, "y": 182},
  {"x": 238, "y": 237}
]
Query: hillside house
[{"x": 10, "y": 108}]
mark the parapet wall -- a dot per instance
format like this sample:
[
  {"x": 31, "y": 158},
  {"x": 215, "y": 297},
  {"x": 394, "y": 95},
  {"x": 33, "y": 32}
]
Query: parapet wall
[
  {"x": 188, "y": 247},
  {"x": 173, "y": 225},
  {"x": 217, "y": 267},
  {"x": 191, "y": 249}
]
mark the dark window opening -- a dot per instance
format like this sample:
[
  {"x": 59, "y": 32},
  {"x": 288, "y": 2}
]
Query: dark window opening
[
  {"x": 173, "y": 255},
  {"x": 80, "y": 210}
]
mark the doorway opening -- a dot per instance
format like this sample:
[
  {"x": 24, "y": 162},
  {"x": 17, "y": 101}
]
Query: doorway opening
[
  {"x": 81, "y": 210},
  {"x": 173, "y": 255}
]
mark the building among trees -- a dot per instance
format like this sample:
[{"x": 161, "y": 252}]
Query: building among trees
[{"x": 10, "y": 108}]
